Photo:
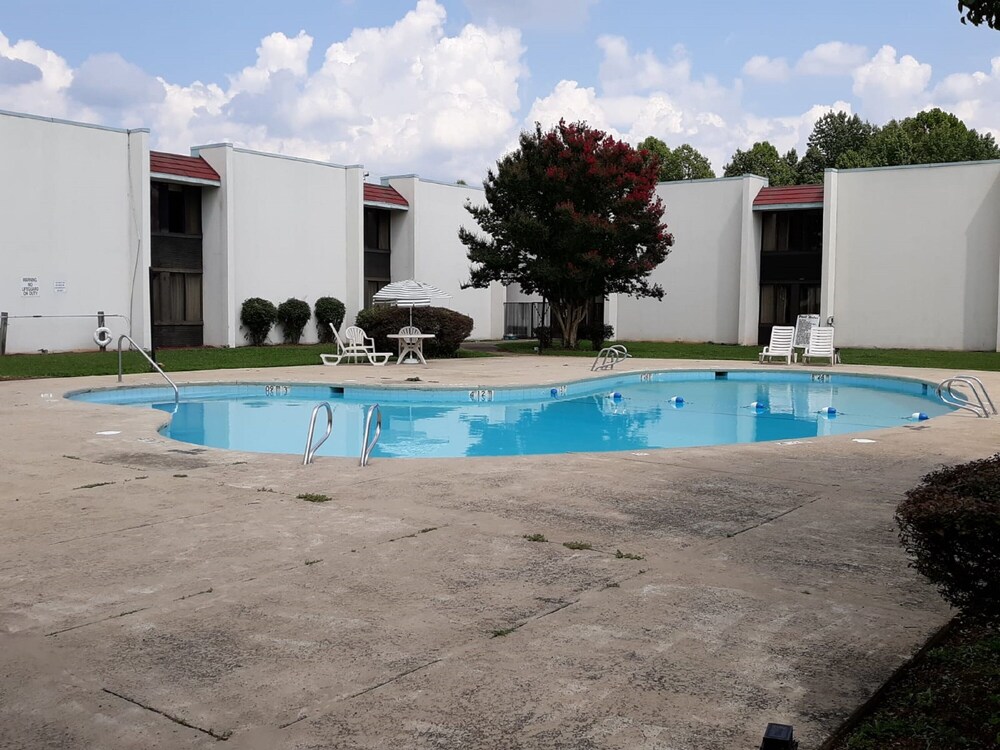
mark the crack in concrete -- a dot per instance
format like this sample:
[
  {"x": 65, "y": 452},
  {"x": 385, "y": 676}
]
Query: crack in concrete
[
  {"x": 95, "y": 622},
  {"x": 773, "y": 518},
  {"x": 221, "y": 736},
  {"x": 391, "y": 679},
  {"x": 140, "y": 526}
]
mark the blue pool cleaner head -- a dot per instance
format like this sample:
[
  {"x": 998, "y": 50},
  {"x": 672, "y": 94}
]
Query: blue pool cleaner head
[
  {"x": 554, "y": 393},
  {"x": 615, "y": 395},
  {"x": 759, "y": 406},
  {"x": 679, "y": 400},
  {"x": 918, "y": 416},
  {"x": 830, "y": 411}
]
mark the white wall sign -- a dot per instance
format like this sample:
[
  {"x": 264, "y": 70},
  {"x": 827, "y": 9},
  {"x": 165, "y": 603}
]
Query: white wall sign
[
  {"x": 29, "y": 286},
  {"x": 59, "y": 287}
]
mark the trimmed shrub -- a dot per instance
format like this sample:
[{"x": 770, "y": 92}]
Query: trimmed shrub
[
  {"x": 329, "y": 311},
  {"x": 257, "y": 316},
  {"x": 450, "y": 328},
  {"x": 950, "y": 524},
  {"x": 544, "y": 336},
  {"x": 599, "y": 333},
  {"x": 293, "y": 314}
]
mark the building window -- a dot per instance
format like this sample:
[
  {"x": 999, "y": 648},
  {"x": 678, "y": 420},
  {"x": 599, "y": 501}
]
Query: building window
[
  {"x": 176, "y": 297},
  {"x": 175, "y": 209},
  {"x": 377, "y": 252},
  {"x": 792, "y": 231}
]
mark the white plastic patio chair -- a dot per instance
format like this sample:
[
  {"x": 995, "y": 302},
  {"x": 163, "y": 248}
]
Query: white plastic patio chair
[
  {"x": 820, "y": 345},
  {"x": 357, "y": 347},
  {"x": 782, "y": 340},
  {"x": 360, "y": 343}
]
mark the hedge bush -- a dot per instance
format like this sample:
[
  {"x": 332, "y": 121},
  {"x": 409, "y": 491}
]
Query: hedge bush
[
  {"x": 293, "y": 314},
  {"x": 544, "y": 336},
  {"x": 450, "y": 328},
  {"x": 950, "y": 524},
  {"x": 598, "y": 333},
  {"x": 258, "y": 316},
  {"x": 329, "y": 311}
]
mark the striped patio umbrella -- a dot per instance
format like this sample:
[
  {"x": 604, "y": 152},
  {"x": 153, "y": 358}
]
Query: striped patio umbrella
[{"x": 409, "y": 294}]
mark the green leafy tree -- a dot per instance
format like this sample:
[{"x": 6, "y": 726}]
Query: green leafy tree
[
  {"x": 938, "y": 137},
  {"x": 836, "y": 133},
  {"x": 763, "y": 160},
  {"x": 978, "y": 12},
  {"x": 682, "y": 163},
  {"x": 890, "y": 145},
  {"x": 809, "y": 170},
  {"x": 572, "y": 215},
  {"x": 687, "y": 163}
]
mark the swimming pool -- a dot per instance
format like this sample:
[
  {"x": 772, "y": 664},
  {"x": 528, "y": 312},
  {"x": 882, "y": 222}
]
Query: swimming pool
[{"x": 627, "y": 412}]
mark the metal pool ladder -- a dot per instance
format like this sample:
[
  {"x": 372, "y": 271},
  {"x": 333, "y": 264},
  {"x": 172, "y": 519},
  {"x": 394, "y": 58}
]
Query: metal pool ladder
[
  {"x": 310, "y": 451},
  {"x": 983, "y": 404},
  {"x": 126, "y": 337},
  {"x": 610, "y": 356},
  {"x": 367, "y": 446}
]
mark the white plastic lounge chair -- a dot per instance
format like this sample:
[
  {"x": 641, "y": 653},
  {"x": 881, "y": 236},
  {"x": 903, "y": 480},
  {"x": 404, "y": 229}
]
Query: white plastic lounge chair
[
  {"x": 358, "y": 346},
  {"x": 782, "y": 339},
  {"x": 820, "y": 345}
]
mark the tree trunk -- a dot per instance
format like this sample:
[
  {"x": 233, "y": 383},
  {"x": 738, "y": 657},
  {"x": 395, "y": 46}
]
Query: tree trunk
[{"x": 568, "y": 316}]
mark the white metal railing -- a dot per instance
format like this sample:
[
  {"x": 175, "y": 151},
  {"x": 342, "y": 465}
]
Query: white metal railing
[
  {"x": 610, "y": 356},
  {"x": 311, "y": 448},
  {"x": 126, "y": 337},
  {"x": 367, "y": 446},
  {"x": 983, "y": 404}
]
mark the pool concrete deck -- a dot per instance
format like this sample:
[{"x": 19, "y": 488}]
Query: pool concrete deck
[{"x": 160, "y": 595}]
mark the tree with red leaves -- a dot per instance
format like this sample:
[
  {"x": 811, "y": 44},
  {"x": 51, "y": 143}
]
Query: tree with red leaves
[{"x": 571, "y": 215}]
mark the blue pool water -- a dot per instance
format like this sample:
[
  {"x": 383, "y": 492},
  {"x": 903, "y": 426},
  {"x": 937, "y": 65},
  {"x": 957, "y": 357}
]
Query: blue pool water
[{"x": 583, "y": 416}]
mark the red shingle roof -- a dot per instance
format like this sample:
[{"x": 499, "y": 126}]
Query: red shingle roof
[
  {"x": 182, "y": 166},
  {"x": 788, "y": 195},
  {"x": 384, "y": 194}
]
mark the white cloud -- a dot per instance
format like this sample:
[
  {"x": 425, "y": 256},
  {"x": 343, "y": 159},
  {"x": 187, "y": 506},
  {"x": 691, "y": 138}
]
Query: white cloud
[
  {"x": 973, "y": 97},
  {"x": 889, "y": 87},
  {"x": 108, "y": 80},
  {"x": 831, "y": 59},
  {"x": 18, "y": 72},
  {"x": 765, "y": 68}
]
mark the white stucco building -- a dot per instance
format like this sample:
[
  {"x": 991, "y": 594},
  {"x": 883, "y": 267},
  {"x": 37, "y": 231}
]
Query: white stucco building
[{"x": 169, "y": 246}]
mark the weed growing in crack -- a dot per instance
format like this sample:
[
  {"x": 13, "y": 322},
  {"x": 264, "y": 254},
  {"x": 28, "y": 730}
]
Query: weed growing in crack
[
  {"x": 535, "y": 537},
  {"x": 578, "y": 545},
  {"x": 627, "y": 555},
  {"x": 314, "y": 497}
]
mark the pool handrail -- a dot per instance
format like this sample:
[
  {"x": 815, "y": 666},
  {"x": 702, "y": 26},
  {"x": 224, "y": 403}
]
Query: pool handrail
[
  {"x": 960, "y": 400},
  {"x": 126, "y": 337},
  {"x": 309, "y": 453},
  {"x": 610, "y": 356},
  {"x": 368, "y": 446}
]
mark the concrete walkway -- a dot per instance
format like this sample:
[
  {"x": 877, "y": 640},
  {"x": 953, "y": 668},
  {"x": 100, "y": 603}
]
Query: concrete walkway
[{"x": 155, "y": 594}]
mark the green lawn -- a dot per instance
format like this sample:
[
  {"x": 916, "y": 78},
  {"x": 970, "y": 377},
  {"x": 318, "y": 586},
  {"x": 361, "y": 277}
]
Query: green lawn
[
  {"x": 949, "y": 360},
  {"x": 72, "y": 364}
]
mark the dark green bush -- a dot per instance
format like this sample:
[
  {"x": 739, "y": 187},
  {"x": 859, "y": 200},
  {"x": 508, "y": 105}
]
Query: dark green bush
[
  {"x": 950, "y": 524},
  {"x": 450, "y": 328},
  {"x": 544, "y": 336},
  {"x": 293, "y": 314},
  {"x": 329, "y": 311},
  {"x": 598, "y": 333},
  {"x": 257, "y": 316}
]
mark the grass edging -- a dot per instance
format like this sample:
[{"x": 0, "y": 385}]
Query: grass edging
[{"x": 870, "y": 706}]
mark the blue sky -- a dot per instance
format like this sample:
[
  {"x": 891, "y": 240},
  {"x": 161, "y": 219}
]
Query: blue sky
[{"x": 442, "y": 87}]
